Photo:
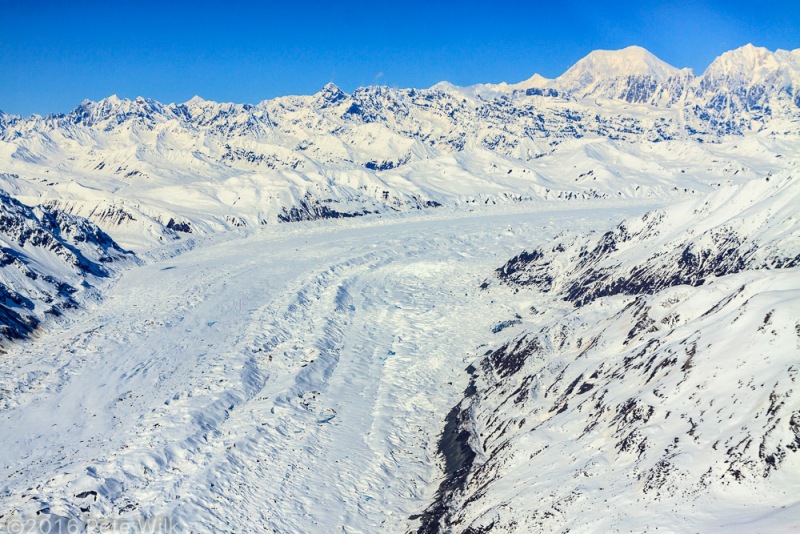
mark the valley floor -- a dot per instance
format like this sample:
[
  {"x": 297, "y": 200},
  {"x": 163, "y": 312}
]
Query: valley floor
[{"x": 295, "y": 378}]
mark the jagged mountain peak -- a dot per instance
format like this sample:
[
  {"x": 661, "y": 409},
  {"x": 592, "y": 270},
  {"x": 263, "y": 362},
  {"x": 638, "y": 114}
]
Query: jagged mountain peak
[
  {"x": 536, "y": 81},
  {"x": 111, "y": 106},
  {"x": 632, "y": 74},
  {"x": 753, "y": 81},
  {"x": 121, "y": 102},
  {"x": 330, "y": 89},
  {"x": 329, "y": 95},
  {"x": 196, "y": 100},
  {"x": 444, "y": 86},
  {"x": 114, "y": 100},
  {"x": 746, "y": 58},
  {"x": 751, "y": 65}
]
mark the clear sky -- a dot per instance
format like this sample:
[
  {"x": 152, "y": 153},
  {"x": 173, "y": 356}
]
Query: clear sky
[{"x": 55, "y": 54}]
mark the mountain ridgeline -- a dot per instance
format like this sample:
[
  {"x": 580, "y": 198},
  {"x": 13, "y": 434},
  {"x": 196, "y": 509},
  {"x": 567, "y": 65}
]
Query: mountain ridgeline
[
  {"x": 739, "y": 92},
  {"x": 618, "y": 124}
]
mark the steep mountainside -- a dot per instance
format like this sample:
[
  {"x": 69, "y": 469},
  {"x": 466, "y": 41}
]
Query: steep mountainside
[
  {"x": 652, "y": 382},
  {"x": 618, "y": 124},
  {"x": 47, "y": 257}
]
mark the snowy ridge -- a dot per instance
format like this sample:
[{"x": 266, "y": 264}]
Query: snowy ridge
[
  {"x": 754, "y": 226},
  {"x": 659, "y": 406},
  {"x": 47, "y": 258},
  {"x": 209, "y": 166}
]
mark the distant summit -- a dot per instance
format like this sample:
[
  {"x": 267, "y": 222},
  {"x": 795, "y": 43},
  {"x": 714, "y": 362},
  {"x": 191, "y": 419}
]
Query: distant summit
[{"x": 602, "y": 66}]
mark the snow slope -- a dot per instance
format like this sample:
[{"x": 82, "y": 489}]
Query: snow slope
[{"x": 650, "y": 385}]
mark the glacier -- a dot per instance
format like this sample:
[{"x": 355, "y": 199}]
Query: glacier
[{"x": 558, "y": 305}]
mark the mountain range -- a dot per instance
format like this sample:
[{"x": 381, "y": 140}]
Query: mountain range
[{"x": 618, "y": 124}]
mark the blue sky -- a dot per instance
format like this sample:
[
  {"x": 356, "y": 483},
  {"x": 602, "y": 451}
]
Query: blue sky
[{"x": 55, "y": 54}]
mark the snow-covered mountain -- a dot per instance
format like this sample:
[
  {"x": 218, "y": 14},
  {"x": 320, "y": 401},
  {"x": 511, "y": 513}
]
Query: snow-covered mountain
[
  {"x": 47, "y": 257},
  {"x": 618, "y": 124},
  {"x": 632, "y": 75},
  {"x": 653, "y": 383},
  {"x": 748, "y": 85}
]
